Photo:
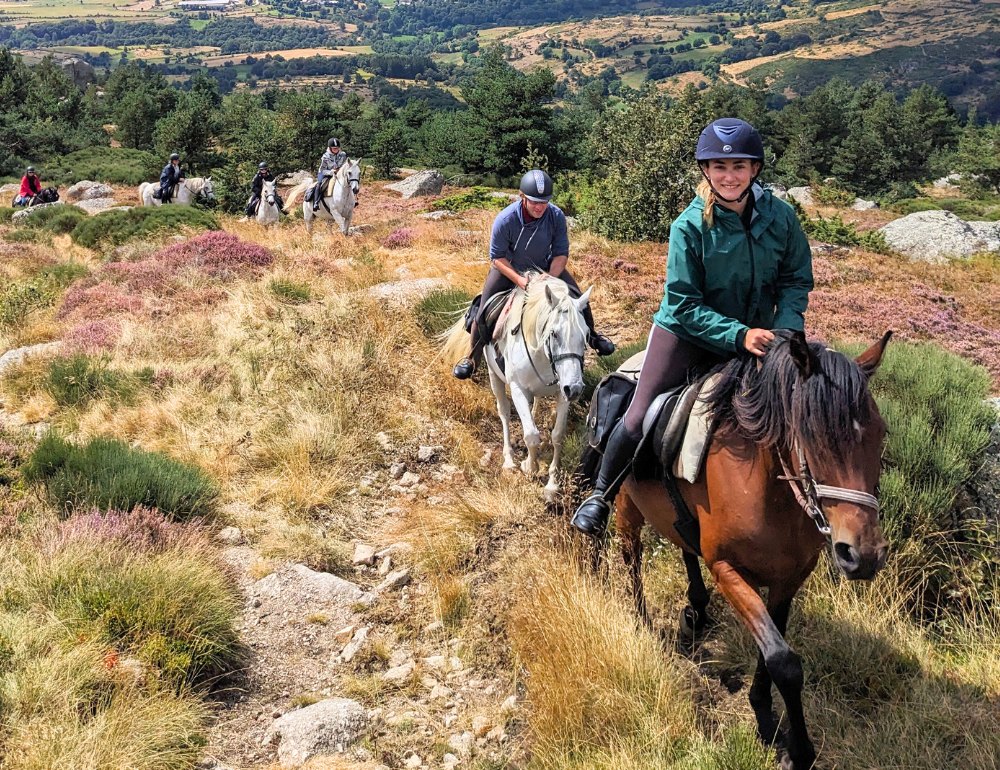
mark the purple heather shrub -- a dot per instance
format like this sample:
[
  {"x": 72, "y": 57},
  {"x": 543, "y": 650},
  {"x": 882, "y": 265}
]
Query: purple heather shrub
[
  {"x": 217, "y": 253},
  {"x": 139, "y": 530},
  {"x": 95, "y": 302},
  {"x": 93, "y": 336},
  {"x": 399, "y": 239}
]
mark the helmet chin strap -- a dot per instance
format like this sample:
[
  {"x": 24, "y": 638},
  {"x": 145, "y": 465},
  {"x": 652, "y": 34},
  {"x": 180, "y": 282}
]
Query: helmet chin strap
[{"x": 746, "y": 192}]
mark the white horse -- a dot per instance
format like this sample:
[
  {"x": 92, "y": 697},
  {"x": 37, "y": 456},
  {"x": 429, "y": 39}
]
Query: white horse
[
  {"x": 184, "y": 194},
  {"x": 338, "y": 207},
  {"x": 542, "y": 343},
  {"x": 267, "y": 209}
]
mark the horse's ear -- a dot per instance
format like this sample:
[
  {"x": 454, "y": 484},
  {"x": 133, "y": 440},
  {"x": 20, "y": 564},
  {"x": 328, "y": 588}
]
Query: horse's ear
[
  {"x": 805, "y": 360},
  {"x": 869, "y": 360},
  {"x": 583, "y": 300},
  {"x": 550, "y": 296}
]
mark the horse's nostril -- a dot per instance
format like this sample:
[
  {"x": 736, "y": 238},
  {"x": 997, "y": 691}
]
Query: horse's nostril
[
  {"x": 847, "y": 556},
  {"x": 568, "y": 391}
]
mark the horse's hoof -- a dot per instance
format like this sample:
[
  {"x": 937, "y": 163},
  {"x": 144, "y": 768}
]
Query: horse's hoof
[
  {"x": 551, "y": 495},
  {"x": 526, "y": 468},
  {"x": 692, "y": 622}
]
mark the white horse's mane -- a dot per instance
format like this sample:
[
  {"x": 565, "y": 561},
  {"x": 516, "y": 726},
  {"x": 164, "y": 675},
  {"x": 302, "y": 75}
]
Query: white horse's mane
[{"x": 537, "y": 314}]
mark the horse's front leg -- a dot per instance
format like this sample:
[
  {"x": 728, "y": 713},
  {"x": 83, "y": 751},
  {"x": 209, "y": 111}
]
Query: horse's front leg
[
  {"x": 503, "y": 407},
  {"x": 522, "y": 402},
  {"x": 339, "y": 219},
  {"x": 558, "y": 434},
  {"x": 781, "y": 664}
]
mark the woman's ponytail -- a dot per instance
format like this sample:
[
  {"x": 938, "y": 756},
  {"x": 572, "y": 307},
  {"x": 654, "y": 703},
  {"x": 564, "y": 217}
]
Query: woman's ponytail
[{"x": 707, "y": 194}]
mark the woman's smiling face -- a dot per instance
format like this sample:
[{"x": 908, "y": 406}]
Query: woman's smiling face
[{"x": 731, "y": 176}]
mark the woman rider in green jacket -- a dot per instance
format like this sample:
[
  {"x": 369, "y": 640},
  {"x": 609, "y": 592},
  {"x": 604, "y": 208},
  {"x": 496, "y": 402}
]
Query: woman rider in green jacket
[{"x": 738, "y": 266}]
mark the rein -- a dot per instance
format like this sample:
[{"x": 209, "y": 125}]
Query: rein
[{"x": 808, "y": 493}]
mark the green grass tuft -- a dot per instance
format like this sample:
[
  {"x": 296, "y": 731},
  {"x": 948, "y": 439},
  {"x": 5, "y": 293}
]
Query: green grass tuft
[
  {"x": 109, "y": 474},
  {"x": 290, "y": 292},
  {"x": 78, "y": 380},
  {"x": 440, "y": 309}
]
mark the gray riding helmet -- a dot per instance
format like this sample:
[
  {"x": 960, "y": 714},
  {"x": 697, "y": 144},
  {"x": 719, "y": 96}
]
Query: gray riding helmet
[{"x": 537, "y": 186}]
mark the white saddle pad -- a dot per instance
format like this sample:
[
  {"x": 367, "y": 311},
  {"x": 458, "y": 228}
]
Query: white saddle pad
[{"x": 694, "y": 447}]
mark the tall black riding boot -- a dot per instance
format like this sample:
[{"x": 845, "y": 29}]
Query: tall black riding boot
[
  {"x": 592, "y": 516},
  {"x": 465, "y": 368}
]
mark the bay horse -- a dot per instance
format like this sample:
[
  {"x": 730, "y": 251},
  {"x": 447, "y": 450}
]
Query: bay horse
[
  {"x": 792, "y": 468},
  {"x": 539, "y": 352}
]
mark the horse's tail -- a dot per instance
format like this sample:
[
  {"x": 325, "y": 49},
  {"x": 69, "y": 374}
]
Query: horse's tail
[
  {"x": 456, "y": 342},
  {"x": 298, "y": 191}
]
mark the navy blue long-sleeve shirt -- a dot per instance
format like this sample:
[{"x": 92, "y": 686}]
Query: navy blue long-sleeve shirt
[{"x": 529, "y": 245}]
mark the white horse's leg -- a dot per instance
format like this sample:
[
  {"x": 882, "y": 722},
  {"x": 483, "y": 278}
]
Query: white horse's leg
[
  {"x": 532, "y": 438},
  {"x": 503, "y": 408},
  {"x": 307, "y": 215},
  {"x": 558, "y": 434},
  {"x": 338, "y": 219}
]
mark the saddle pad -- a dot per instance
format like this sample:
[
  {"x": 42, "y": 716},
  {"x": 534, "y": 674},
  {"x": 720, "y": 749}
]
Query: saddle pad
[
  {"x": 330, "y": 184},
  {"x": 505, "y": 312},
  {"x": 633, "y": 365},
  {"x": 697, "y": 436}
]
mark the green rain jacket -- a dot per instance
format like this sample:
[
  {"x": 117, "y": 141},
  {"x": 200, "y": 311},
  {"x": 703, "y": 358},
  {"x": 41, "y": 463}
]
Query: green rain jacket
[{"x": 723, "y": 280}]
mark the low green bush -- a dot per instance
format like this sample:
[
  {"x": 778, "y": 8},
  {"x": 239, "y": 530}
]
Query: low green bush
[
  {"x": 939, "y": 424},
  {"x": 969, "y": 210},
  {"x": 19, "y": 298},
  {"x": 913, "y": 205},
  {"x": 473, "y": 198},
  {"x": 290, "y": 291},
  {"x": 109, "y": 474},
  {"x": 58, "y": 220},
  {"x": 440, "y": 309},
  {"x": 113, "y": 228},
  {"x": 840, "y": 233},
  {"x": 79, "y": 379},
  {"x": 831, "y": 195},
  {"x": 113, "y": 165},
  {"x": 6, "y": 212}
]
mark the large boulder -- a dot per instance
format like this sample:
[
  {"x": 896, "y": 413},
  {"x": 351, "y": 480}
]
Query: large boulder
[
  {"x": 802, "y": 194},
  {"x": 933, "y": 236},
  {"x": 295, "y": 178},
  {"x": 10, "y": 187},
  {"x": 325, "y": 728},
  {"x": 860, "y": 204},
  {"x": 87, "y": 190},
  {"x": 20, "y": 216},
  {"x": 427, "y": 182},
  {"x": 778, "y": 191},
  {"x": 302, "y": 582},
  {"x": 97, "y": 205},
  {"x": 80, "y": 72}
]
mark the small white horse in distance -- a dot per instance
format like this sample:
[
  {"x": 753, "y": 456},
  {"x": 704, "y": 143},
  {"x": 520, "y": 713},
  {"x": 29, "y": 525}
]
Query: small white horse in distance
[
  {"x": 541, "y": 343},
  {"x": 267, "y": 208},
  {"x": 184, "y": 194},
  {"x": 338, "y": 207}
]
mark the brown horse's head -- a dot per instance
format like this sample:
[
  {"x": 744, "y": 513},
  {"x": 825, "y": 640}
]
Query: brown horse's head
[
  {"x": 812, "y": 406},
  {"x": 835, "y": 421}
]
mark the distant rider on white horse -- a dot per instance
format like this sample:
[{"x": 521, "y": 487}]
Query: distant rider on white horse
[
  {"x": 530, "y": 234},
  {"x": 257, "y": 190},
  {"x": 170, "y": 177},
  {"x": 329, "y": 165}
]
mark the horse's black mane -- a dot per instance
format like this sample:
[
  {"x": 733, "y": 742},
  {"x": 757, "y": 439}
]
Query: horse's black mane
[{"x": 773, "y": 404}]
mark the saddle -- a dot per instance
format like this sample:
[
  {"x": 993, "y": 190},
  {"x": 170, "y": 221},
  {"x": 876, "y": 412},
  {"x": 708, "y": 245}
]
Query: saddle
[
  {"x": 499, "y": 305},
  {"x": 676, "y": 432}
]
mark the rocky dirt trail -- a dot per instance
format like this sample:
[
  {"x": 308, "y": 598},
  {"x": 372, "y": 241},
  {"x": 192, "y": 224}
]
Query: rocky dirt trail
[{"x": 354, "y": 668}]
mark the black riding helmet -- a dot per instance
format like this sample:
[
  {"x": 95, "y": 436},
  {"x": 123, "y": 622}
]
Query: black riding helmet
[
  {"x": 333, "y": 143},
  {"x": 537, "y": 186},
  {"x": 261, "y": 166},
  {"x": 174, "y": 156},
  {"x": 730, "y": 138},
  {"x": 30, "y": 170}
]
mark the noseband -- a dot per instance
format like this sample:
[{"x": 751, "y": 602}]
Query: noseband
[{"x": 808, "y": 493}]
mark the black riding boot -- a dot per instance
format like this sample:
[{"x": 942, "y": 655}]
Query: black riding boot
[
  {"x": 598, "y": 342},
  {"x": 592, "y": 516},
  {"x": 465, "y": 368}
]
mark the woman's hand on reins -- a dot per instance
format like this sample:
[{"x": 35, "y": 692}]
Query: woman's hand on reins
[{"x": 757, "y": 341}]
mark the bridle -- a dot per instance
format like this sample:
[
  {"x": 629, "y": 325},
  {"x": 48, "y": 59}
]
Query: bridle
[
  {"x": 808, "y": 493},
  {"x": 553, "y": 359}
]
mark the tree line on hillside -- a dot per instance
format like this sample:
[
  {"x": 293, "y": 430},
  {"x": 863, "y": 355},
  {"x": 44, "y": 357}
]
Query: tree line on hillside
[{"x": 626, "y": 161}]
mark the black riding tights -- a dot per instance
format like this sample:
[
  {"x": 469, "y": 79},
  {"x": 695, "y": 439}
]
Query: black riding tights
[
  {"x": 497, "y": 282},
  {"x": 667, "y": 363}
]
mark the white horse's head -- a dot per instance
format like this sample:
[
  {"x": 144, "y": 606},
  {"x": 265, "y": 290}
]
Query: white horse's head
[
  {"x": 553, "y": 321},
  {"x": 268, "y": 194},
  {"x": 206, "y": 188},
  {"x": 350, "y": 174}
]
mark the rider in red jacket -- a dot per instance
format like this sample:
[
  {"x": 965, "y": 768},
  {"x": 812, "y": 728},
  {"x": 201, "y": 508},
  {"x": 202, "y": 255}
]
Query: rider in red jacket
[{"x": 31, "y": 185}]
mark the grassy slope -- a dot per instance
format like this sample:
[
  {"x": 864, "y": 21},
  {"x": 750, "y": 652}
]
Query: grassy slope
[{"x": 281, "y": 400}]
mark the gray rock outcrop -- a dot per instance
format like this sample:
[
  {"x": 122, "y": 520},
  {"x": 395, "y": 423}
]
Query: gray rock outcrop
[
  {"x": 933, "y": 236},
  {"x": 96, "y": 205},
  {"x": 79, "y": 71},
  {"x": 87, "y": 190},
  {"x": 20, "y": 216},
  {"x": 18, "y": 356},
  {"x": 322, "y": 729},
  {"x": 299, "y": 580},
  {"x": 427, "y": 182},
  {"x": 802, "y": 194},
  {"x": 860, "y": 204},
  {"x": 10, "y": 187}
]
